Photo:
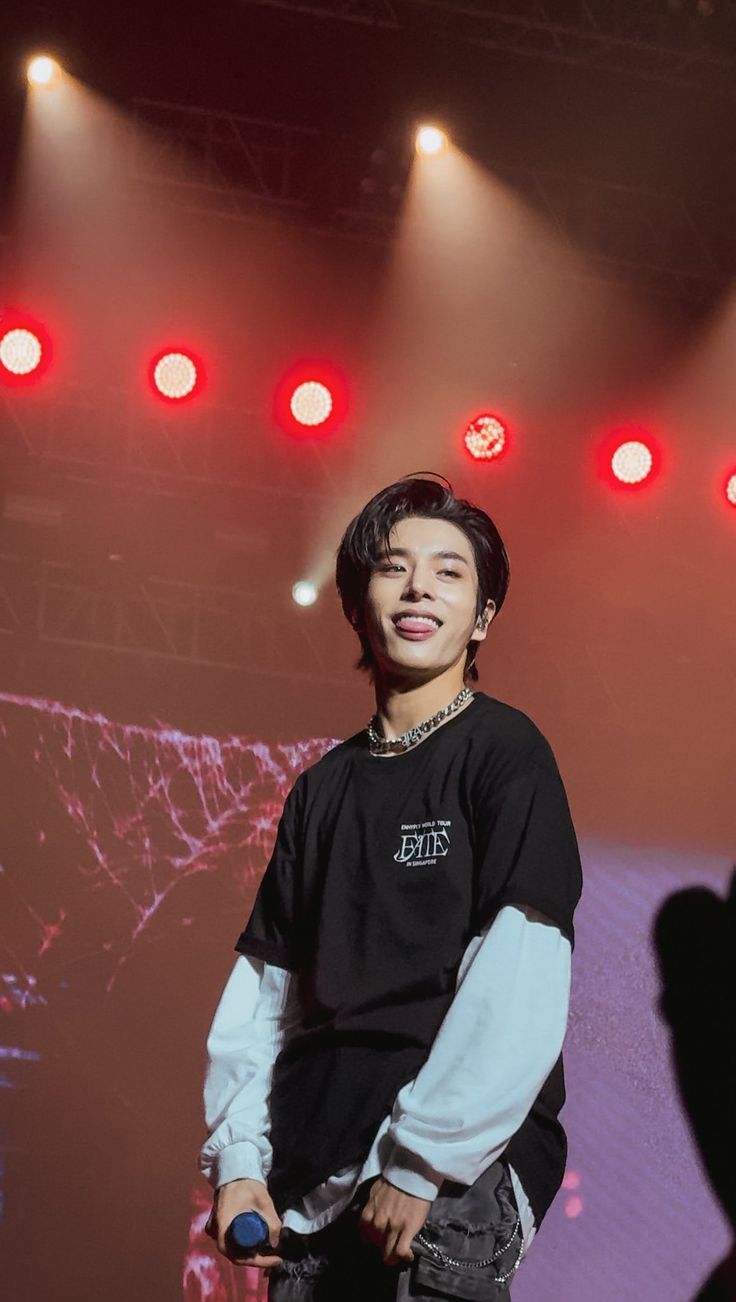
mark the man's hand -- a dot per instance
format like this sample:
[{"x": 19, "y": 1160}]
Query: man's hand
[
  {"x": 243, "y": 1196},
  {"x": 390, "y": 1219}
]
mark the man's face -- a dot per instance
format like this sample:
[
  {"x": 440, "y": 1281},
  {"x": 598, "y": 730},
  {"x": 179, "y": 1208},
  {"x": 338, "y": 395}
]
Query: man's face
[{"x": 420, "y": 610}]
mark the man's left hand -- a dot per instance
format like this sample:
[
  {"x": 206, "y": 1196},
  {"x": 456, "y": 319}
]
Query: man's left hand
[{"x": 390, "y": 1219}]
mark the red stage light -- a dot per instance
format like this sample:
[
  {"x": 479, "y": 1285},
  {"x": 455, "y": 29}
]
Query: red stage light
[
  {"x": 631, "y": 458},
  {"x": 176, "y": 375},
  {"x": 25, "y": 350},
  {"x": 311, "y": 400},
  {"x": 731, "y": 489},
  {"x": 632, "y": 462},
  {"x": 20, "y": 351},
  {"x": 311, "y": 403},
  {"x": 485, "y": 437}
]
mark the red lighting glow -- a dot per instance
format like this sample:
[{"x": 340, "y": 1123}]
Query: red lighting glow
[
  {"x": 632, "y": 462},
  {"x": 176, "y": 375},
  {"x": 311, "y": 403},
  {"x": 25, "y": 351},
  {"x": 629, "y": 459},
  {"x": 311, "y": 400},
  {"x": 485, "y": 437},
  {"x": 20, "y": 351}
]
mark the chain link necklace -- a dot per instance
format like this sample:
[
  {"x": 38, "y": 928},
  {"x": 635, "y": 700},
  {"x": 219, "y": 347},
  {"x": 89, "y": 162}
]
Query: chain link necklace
[{"x": 380, "y": 745}]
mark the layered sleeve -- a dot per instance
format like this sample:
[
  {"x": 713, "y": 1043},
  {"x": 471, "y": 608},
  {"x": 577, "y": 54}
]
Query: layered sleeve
[
  {"x": 498, "y": 1042},
  {"x": 255, "y": 1015}
]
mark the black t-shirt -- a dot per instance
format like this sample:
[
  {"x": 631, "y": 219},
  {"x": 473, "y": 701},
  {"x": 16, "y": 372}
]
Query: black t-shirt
[{"x": 382, "y": 871}]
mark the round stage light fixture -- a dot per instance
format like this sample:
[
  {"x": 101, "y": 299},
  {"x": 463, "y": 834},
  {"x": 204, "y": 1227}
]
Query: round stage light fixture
[
  {"x": 43, "y": 71},
  {"x": 311, "y": 403},
  {"x": 176, "y": 375},
  {"x": 311, "y": 399},
  {"x": 20, "y": 351},
  {"x": 632, "y": 462},
  {"x": 731, "y": 489},
  {"x": 430, "y": 141},
  {"x": 485, "y": 437},
  {"x": 304, "y": 593}
]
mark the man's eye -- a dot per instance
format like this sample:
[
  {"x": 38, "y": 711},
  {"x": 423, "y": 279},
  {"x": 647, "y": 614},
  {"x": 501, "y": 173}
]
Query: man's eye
[{"x": 453, "y": 572}]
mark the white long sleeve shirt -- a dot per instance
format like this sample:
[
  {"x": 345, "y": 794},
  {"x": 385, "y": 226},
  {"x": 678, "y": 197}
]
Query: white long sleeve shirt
[{"x": 499, "y": 1040}]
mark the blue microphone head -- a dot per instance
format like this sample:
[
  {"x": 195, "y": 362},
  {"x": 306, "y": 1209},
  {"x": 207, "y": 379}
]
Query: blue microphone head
[{"x": 247, "y": 1231}]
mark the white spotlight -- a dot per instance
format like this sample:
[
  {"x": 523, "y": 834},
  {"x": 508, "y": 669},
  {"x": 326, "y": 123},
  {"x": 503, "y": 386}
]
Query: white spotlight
[
  {"x": 304, "y": 593},
  {"x": 43, "y": 70},
  {"x": 430, "y": 140}
]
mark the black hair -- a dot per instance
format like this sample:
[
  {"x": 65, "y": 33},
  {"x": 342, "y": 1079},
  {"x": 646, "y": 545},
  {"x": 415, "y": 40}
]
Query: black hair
[{"x": 367, "y": 537}]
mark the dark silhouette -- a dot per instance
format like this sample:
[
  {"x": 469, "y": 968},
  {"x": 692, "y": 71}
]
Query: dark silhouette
[{"x": 695, "y": 939}]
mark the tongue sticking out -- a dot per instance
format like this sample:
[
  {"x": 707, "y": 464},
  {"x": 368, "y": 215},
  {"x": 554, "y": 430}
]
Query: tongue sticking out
[{"x": 416, "y": 625}]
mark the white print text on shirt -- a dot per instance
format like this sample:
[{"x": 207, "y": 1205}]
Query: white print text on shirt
[{"x": 424, "y": 843}]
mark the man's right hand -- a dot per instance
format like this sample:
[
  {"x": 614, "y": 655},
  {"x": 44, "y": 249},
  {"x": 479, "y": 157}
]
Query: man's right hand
[{"x": 244, "y": 1196}]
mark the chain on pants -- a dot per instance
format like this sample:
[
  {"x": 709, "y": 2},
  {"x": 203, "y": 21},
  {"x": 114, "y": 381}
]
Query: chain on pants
[{"x": 342, "y": 1267}]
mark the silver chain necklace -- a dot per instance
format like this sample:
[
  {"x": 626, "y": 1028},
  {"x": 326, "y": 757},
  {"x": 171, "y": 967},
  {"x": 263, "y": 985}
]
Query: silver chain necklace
[{"x": 380, "y": 745}]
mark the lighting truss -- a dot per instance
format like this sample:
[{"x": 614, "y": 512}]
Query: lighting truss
[
  {"x": 251, "y": 169},
  {"x": 108, "y": 609},
  {"x": 684, "y": 43},
  {"x": 102, "y": 437}
]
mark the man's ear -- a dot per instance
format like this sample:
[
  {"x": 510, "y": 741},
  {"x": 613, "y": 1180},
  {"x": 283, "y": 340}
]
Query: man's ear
[{"x": 483, "y": 622}]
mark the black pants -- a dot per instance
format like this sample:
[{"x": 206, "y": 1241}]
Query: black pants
[{"x": 468, "y": 1223}]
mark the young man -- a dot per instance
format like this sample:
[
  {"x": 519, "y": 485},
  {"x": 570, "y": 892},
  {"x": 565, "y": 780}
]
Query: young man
[{"x": 385, "y": 1068}]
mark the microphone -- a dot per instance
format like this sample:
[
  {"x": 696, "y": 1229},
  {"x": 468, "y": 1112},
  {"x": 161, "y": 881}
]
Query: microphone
[{"x": 247, "y": 1234}]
